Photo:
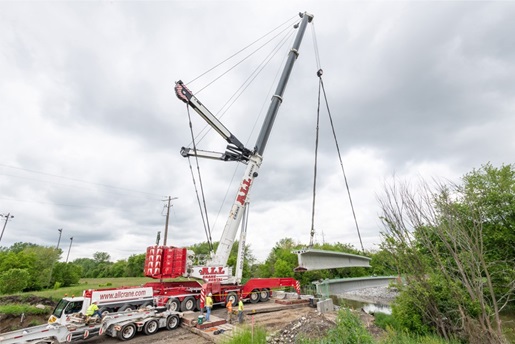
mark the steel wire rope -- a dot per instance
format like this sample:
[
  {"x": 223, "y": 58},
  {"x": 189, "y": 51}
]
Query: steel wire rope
[
  {"x": 238, "y": 93},
  {"x": 322, "y": 88},
  {"x": 315, "y": 167},
  {"x": 223, "y": 110},
  {"x": 341, "y": 164},
  {"x": 203, "y": 212},
  {"x": 263, "y": 64},
  {"x": 239, "y": 51}
]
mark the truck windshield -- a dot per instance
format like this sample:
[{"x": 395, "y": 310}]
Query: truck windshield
[
  {"x": 69, "y": 307},
  {"x": 58, "y": 310}
]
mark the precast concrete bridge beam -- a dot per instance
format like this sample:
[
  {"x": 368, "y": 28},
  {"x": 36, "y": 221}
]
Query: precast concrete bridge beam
[{"x": 310, "y": 259}]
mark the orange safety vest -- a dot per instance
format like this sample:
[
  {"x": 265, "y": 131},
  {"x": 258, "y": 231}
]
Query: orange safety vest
[{"x": 229, "y": 306}]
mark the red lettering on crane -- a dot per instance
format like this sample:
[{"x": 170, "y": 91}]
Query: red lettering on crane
[
  {"x": 244, "y": 190},
  {"x": 212, "y": 270}
]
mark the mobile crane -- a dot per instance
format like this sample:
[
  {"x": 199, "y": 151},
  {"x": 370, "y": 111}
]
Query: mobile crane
[
  {"x": 218, "y": 276},
  {"x": 165, "y": 262}
]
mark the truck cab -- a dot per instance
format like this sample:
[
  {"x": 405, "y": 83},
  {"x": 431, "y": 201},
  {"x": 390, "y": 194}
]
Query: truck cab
[{"x": 66, "y": 307}]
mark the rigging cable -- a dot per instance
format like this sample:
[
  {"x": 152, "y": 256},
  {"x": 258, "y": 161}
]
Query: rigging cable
[
  {"x": 315, "y": 172},
  {"x": 341, "y": 162},
  {"x": 321, "y": 87},
  {"x": 203, "y": 212}
]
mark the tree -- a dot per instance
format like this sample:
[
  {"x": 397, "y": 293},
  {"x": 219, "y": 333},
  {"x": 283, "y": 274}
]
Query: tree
[
  {"x": 14, "y": 281},
  {"x": 135, "y": 265},
  {"x": 66, "y": 274},
  {"x": 101, "y": 257},
  {"x": 435, "y": 234},
  {"x": 88, "y": 266}
]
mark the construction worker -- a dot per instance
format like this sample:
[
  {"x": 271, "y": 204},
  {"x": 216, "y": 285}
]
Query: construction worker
[
  {"x": 93, "y": 310},
  {"x": 209, "y": 305},
  {"x": 229, "y": 311},
  {"x": 240, "y": 311}
]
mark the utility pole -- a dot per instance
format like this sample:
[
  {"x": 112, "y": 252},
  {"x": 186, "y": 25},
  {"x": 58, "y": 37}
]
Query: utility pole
[
  {"x": 167, "y": 217},
  {"x": 7, "y": 217},
  {"x": 59, "y": 240},
  {"x": 69, "y": 248},
  {"x": 60, "y": 230}
]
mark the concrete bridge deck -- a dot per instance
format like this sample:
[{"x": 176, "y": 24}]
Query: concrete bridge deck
[{"x": 310, "y": 259}]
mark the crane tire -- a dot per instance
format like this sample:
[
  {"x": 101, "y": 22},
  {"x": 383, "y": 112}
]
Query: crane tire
[
  {"x": 127, "y": 332},
  {"x": 172, "y": 322},
  {"x": 254, "y": 296},
  {"x": 188, "y": 304},
  {"x": 151, "y": 327}
]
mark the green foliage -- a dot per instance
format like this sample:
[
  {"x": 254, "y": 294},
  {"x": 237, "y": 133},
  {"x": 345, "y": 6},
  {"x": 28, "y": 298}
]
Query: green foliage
[
  {"x": 250, "y": 335},
  {"x": 386, "y": 321},
  {"x": 383, "y": 263},
  {"x": 19, "y": 308},
  {"x": 14, "y": 281},
  {"x": 66, "y": 274},
  {"x": 396, "y": 337},
  {"x": 348, "y": 330},
  {"x": 456, "y": 245},
  {"x": 135, "y": 265}
]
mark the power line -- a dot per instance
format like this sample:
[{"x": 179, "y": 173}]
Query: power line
[{"x": 78, "y": 180}]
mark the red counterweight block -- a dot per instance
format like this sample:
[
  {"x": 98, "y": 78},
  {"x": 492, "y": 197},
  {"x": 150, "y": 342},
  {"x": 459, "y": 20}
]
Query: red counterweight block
[
  {"x": 154, "y": 261},
  {"x": 174, "y": 262}
]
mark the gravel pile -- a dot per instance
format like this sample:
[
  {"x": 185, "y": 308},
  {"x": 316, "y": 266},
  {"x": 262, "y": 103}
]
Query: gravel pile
[{"x": 382, "y": 295}]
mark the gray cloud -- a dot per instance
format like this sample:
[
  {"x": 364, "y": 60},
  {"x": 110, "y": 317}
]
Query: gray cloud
[{"x": 92, "y": 128}]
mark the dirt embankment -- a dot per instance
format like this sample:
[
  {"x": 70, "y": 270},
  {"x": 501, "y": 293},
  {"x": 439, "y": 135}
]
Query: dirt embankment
[{"x": 11, "y": 322}]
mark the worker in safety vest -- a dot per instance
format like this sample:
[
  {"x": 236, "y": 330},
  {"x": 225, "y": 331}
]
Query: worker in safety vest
[
  {"x": 240, "y": 311},
  {"x": 229, "y": 311},
  {"x": 93, "y": 309},
  {"x": 209, "y": 305}
]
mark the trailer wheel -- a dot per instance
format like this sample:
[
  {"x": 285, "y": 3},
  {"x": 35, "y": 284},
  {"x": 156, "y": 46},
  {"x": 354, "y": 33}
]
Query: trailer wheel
[
  {"x": 198, "y": 305},
  {"x": 172, "y": 322},
  {"x": 127, "y": 332},
  {"x": 126, "y": 308},
  {"x": 254, "y": 296},
  {"x": 173, "y": 305},
  {"x": 188, "y": 304},
  {"x": 151, "y": 327},
  {"x": 232, "y": 296},
  {"x": 264, "y": 295},
  {"x": 146, "y": 304},
  {"x": 104, "y": 311}
]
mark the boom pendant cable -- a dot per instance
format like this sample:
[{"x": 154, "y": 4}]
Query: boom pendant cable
[
  {"x": 321, "y": 87},
  {"x": 203, "y": 209},
  {"x": 341, "y": 162},
  {"x": 315, "y": 173}
]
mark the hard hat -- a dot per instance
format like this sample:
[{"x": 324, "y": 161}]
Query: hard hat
[{"x": 209, "y": 294}]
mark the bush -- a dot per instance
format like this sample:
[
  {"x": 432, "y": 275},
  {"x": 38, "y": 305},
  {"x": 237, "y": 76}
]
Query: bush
[
  {"x": 14, "y": 281},
  {"x": 386, "y": 321},
  {"x": 348, "y": 330},
  {"x": 248, "y": 335}
]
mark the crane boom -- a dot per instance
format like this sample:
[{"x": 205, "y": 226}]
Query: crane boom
[{"x": 252, "y": 158}]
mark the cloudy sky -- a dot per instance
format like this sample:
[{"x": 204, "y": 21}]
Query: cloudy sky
[{"x": 91, "y": 128}]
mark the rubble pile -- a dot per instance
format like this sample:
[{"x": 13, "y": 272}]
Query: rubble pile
[{"x": 312, "y": 326}]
